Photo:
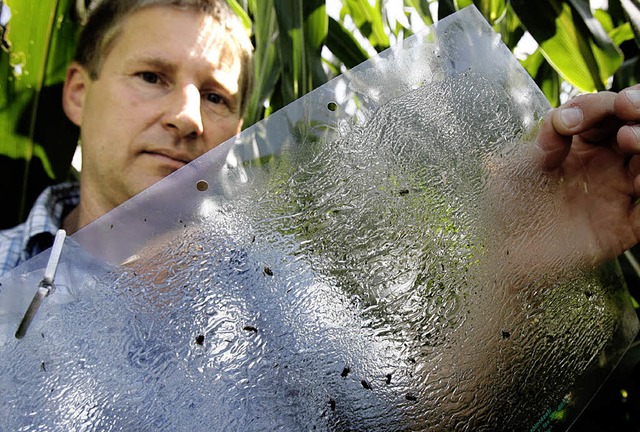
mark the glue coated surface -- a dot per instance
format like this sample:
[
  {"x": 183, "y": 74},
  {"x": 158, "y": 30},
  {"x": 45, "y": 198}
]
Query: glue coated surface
[{"x": 347, "y": 264}]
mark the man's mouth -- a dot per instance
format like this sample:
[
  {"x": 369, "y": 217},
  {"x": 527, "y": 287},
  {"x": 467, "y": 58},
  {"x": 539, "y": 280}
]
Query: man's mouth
[{"x": 172, "y": 159}]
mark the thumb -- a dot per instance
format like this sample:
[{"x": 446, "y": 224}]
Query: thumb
[{"x": 554, "y": 147}]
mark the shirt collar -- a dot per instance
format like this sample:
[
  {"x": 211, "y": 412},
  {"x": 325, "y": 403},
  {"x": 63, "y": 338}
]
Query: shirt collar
[{"x": 46, "y": 216}]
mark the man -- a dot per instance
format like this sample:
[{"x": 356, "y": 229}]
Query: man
[{"x": 146, "y": 104}]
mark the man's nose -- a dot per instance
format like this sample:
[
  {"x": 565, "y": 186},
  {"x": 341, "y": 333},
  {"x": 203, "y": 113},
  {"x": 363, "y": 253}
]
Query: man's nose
[{"x": 184, "y": 116}]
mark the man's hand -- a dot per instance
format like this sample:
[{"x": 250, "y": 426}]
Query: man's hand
[
  {"x": 568, "y": 201},
  {"x": 591, "y": 146}
]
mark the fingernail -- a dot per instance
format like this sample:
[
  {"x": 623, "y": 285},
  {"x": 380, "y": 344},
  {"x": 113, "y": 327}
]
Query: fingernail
[
  {"x": 634, "y": 97},
  {"x": 571, "y": 117},
  {"x": 636, "y": 132}
]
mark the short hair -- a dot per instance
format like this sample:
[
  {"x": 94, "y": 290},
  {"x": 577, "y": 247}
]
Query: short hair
[{"x": 102, "y": 25}]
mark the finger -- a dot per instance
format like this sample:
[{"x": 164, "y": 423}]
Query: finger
[
  {"x": 635, "y": 225},
  {"x": 590, "y": 116},
  {"x": 554, "y": 146},
  {"x": 634, "y": 166},
  {"x": 584, "y": 113},
  {"x": 633, "y": 170},
  {"x": 627, "y": 104},
  {"x": 629, "y": 139}
]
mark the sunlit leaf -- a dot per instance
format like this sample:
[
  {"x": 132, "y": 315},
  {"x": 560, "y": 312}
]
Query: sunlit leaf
[
  {"x": 266, "y": 64},
  {"x": 422, "y": 8},
  {"x": 568, "y": 44},
  {"x": 621, "y": 34},
  {"x": 368, "y": 19}
]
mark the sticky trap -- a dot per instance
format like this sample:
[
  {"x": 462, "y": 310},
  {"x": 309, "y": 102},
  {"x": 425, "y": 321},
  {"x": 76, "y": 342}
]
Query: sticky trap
[{"x": 338, "y": 266}]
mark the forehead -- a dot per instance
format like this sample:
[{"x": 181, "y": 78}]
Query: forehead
[{"x": 181, "y": 37}]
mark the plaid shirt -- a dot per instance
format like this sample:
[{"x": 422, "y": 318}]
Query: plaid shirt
[{"x": 36, "y": 234}]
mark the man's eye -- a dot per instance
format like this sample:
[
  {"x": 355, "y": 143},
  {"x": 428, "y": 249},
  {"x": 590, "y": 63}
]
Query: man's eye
[
  {"x": 215, "y": 98},
  {"x": 150, "y": 77}
]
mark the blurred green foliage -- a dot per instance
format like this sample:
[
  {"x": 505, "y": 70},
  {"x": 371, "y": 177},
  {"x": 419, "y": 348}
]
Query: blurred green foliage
[{"x": 298, "y": 48}]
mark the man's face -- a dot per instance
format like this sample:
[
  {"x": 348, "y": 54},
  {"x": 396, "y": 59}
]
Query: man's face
[{"x": 167, "y": 92}]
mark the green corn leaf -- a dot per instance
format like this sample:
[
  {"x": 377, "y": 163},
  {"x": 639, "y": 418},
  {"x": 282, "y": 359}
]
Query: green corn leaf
[
  {"x": 242, "y": 14},
  {"x": 368, "y": 19},
  {"x": 631, "y": 10},
  {"x": 492, "y": 10},
  {"x": 344, "y": 46},
  {"x": 38, "y": 141},
  {"x": 544, "y": 76},
  {"x": 422, "y": 7},
  {"x": 266, "y": 61},
  {"x": 302, "y": 30},
  {"x": 584, "y": 59}
]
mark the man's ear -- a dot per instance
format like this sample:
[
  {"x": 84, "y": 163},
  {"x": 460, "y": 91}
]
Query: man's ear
[{"x": 73, "y": 93}]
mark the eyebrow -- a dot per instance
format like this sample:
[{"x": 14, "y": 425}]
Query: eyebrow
[{"x": 155, "y": 62}]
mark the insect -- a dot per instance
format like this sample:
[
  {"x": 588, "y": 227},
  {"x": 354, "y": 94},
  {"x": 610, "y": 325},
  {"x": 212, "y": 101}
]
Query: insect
[
  {"x": 365, "y": 384},
  {"x": 250, "y": 328},
  {"x": 200, "y": 339},
  {"x": 345, "y": 371}
]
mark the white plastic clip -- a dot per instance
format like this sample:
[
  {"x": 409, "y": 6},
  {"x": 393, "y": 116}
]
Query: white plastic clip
[{"x": 46, "y": 285}]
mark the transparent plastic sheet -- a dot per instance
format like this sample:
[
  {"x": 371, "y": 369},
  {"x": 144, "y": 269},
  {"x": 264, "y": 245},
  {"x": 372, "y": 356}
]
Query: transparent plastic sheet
[{"x": 333, "y": 268}]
